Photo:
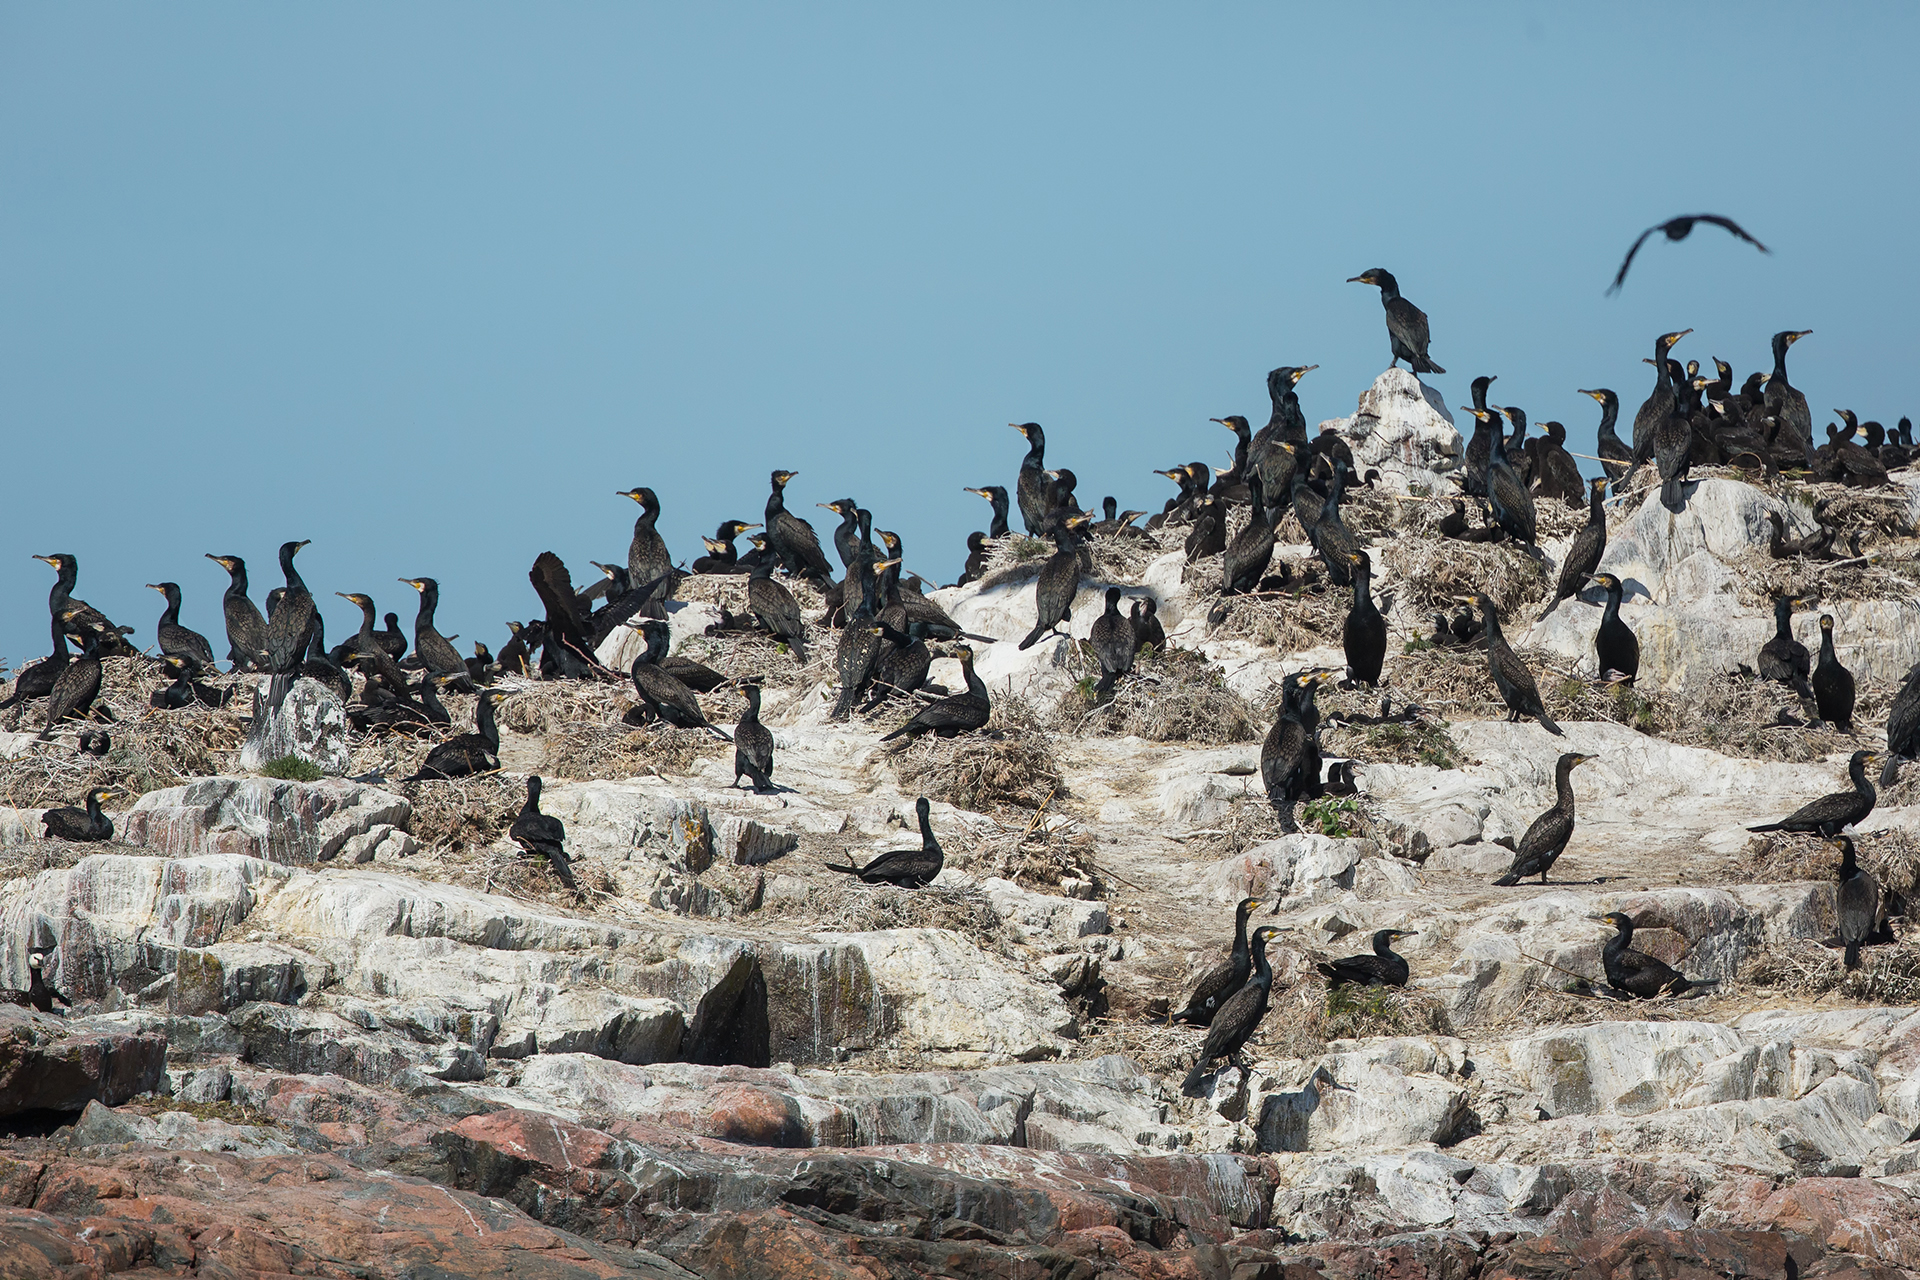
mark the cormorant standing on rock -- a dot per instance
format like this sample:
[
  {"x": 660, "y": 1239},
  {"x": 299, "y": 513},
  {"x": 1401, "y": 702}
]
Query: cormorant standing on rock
[
  {"x": 174, "y": 638},
  {"x": 1112, "y": 643},
  {"x": 1510, "y": 675},
  {"x": 1381, "y": 969},
  {"x": 907, "y": 868},
  {"x": 468, "y": 753},
  {"x": 1547, "y": 838},
  {"x": 997, "y": 496},
  {"x": 40, "y": 994},
  {"x": 957, "y": 713},
  {"x": 1615, "y": 646},
  {"x": 664, "y": 695},
  {"x": 1784, "y": 659},
  {"x": 1615, "y": 457},
  {"x": 1672, "y": 445},
  {"x": 1406, "y": 323},
  {"x": 1059, "y": 581},
  {"x": 1832, "y": 683},
  {"x": 777, "y": 610},
  {"x": 1636, "y": 972},
  {"x": 537, "y": 833},
  {"x": 1288, "y": 761},
  {"x": 1238, "y": 1017},
  {"x": 1856, "y": 904},
  {"x": 792, "y": 539},
  {"x": 290, "y": 629},
  {"x": 1364, "y": 634},
  {"x": 1034, "y": 488},
  {"x": 1827, "y": 815},
  {"x": 752, "y": 743},
  {"x": 1784, "y": 402},
  {"x": 88, "y": 824},
  {"x": 1219, "y": 983},
  {"x": 1583, "y": 554}
]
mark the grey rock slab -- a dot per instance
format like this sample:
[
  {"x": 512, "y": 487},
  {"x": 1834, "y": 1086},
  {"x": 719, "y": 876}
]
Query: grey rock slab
[
  {"x": 295, "y": 823},
  {"x": 48, "y": 1063},
  {"x": 310, "y": 723},
  {"x": 1403, "y": 428}
]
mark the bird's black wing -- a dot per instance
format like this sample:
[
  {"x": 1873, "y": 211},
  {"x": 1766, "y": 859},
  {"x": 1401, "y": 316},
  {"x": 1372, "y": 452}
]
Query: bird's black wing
[
  {"x": 1732, "y": 226},
  {"x": 555, "y": 589},
  {"x": 1621, "y": 278}
]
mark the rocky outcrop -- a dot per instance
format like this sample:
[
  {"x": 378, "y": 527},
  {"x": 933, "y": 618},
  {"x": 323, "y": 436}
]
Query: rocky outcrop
[
  {"x": 54, "y": 1064},
  {"x": 309, "y": 724},
  {"x": 1403, "y": 428},
  {"x": 293, "y": 823}
]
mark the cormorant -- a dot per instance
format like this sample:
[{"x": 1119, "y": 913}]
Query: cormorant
[
  {"x": 1615, "y": 647},
  {"x": 1217, "y": 984},
  {"x": 777, "y": 610},
  {"x": 1486, "y": 431},
  {"x": 1058, "y": 582},
  {"x": 1364, "y": 634},
  {"x": 1332, "y": 540},
  {"x": 468, "y": 753},
  {"x": 1286, "y": 423},
  {"x": 1238, "y": 1017},
  {"x": 721, "y": 556},
  {"x": 1677, "y": 229},
  {"x": 1547, "y": 837},
  {"x": 1510, "y": 675},
  {"x": 516, "y": 654},
  {"x": 792, "y": 539},
  {"x": 977, "y": 554},
  {"x": 372, "y": 657},
  {"x": 1832, "y": 683},
  {"x": 1406, "y": 323},
  {"x": 175, "y": 638},
  {"x": 1231, "y": 483},
  {"x": 1673, "y": 451},
  {"x": 1903, "y": 724},
  {"x": 246, "y": 628},
  {"x": 663, "y": 695},
  {"x": 481, "y": 668},
  {"x": 1507, "y": 494},
  {"x": 1556, "y": 474},
  {"x": 1856, "y": 904},
  {"x": 1209, "y": 536},
  {"x": 1784, "y": 402},
  {"x": 649, "y": 566},
  {"x": 902, "y": 665},
  {"x": 1381, "y": 969},
  {"x": 752, "y": 743},
  {"x": 1783, "y": 658},
  {"x": 958, "y": 713},
  {"x": 88, "y": 824},
  {"x": 185, "y": 689},
  {"x": 1636, "y": 972},
  {"x": 1519, "y": 451},
  {"x": 1034, "y": 488},
  {"x": 1615, "y": 457},
  {"x": 997, "y": 496},
  {"x": 40, "y": 994},
  {"x": 1145, "y": 616},
  {"x": 537, "y": 833},
  {"x": 1827, "y": 815},
  {"x": 75, "y": 688},
  {"x": 1112, "y": 642},
  {"x": 1583, "y": 554},
  {"x": 1251, "y": 551},
  {"x": 81, "y": 619},
  {"x": 36, "y": 680},
  {"x": 847, "y": 538},
  {"x": 1659, "y": 405},
  {"x": 93, "y": 742},
  {"x": 391, "y": 638},
  {"x": 432, "y": 648},
  {"x": 290, "y": 629},
  {"x": 906, "y": 868},
  {"x": 1288, "y": 759}
]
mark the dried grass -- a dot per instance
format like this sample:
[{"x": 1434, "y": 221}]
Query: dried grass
[
  {"x": 1891, "y": 857},
  {"x": 1010, "y": 763},
  {"x": 852, "y": 907},
  {"x": 1433, "y": 573},
  {"x": 585, "y": 734},
  {"x": 1013, "y": 558},
  {"x": 1176, "y": 696},
  {"x": 1308, "y": 615},
  {"x": 463, "y": 813},
  {"x": 1888, "y": 975},
  {"x": 1890, "y": 573}
]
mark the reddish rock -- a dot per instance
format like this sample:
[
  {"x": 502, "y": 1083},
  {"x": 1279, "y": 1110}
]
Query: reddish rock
[
  {"x": 1852, "y": 1215},
  {"x": 1695, "y": 1253},
  {"x": 48, "y": 1063}
]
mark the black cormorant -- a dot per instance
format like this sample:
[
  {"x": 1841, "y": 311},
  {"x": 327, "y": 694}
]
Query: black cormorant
[
  {"x": 1832, "y": 683},
  {"x": 1856, "y": 904},
  {"x": 81, "y": 619},
  {"x": 721, "y": 556},
  {"x": 957, "y": 713},
  {"x": 88, "y": 824},
  {"x": 372, "y": 657},
  {"x": 1786, "y": 405},
  {"x": 246, "y": 628},
  {"x": 1112, "y": 642},
  {"x": 664, "y": 695},
  {"x": 1251, "y": 551},
  {"x": 468, "y": 753},
  {"x": 40, "y": 994},
  {"x": 1059, "y": 581},
  {"x": 1615, "y": 648},
  {"x": 649, "y": 566},
  {"x": 792, "y": 539},
  {"x": 777, "y": 610},
  {"x": 1406, "y": 323},
  {"x": 752, "y": 743},
  {"x": 1510, "y": 675},
  {"x": 997, "y": 496},
  {"x": 977, "y": 554},
  {"x": 290, "y": 628},
  {"x": 1636, "y": 972},
  {"x": 1677, "y": 229},
  {"x": 1238, "y": 1017},
  {"x": 1364, "y": 634},
  {"x": 1827, "y": 815},
  {"x": 1546, "y": 839},
  {"x": 432, "y": 648},
  {"x": 391, "y": 638},
  {"x": 1145, "y": 616},
  {"x": 1508, "y": 495},
  {"x": 1903, "y": 724},
  {"x": 1588, "y": 545},
  {"x": 1616, "y": 457},
  {"x": 1783, "y": 658},
  {"x": 1219, "y": 983},
  {"x": 902, "y": 665},
  {"x": 76, "y": 687},
  {"x": 906, "y": 868},
  {"x": 537, "y": 833},
  {"x": 36, "y": 680},
  {"x": 847, "y": 538},
  {"x": 1288, "y": 759},
  {"x": 1381, "y": 969},
  {"x": 1034, "y": 488},
  {"x": 175, "y": 638},
  {"x": 1659, "y": 405}
]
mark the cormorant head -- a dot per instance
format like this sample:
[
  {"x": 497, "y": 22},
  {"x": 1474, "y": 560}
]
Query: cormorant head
[
  {"x": 734, "y": 528},
  {"x": 1031, "y": 430},
  {"x": 645, "y": 497},
  {"x": 356, "y": 597},
  {"x": 1080, "y": 521},
  {"x": 1787, "y": 337},
  {"x": 98, "y": 794},
  {"x": 840, "y": 506},
  {"x": 420, "y": 584},
  {"x": 1577, "y": 757},
  {"x": 780, "y": 479},
  {"x": 1666, "y": 340},
  {"x": 1518, "y": 417},
  {"x": 1606, "y": 580},
  {"x": 1113, "y": 599},
  {"x": 35, "y": 960},
  {"x": 1375, "y": 275},
  {"x": 1618, "y": 919},
  {"x": 964, "y": 652},
  {"x": 1826, "y": 622},
  {"x": 288, "y": 550},
  {"x": 922, "y": 807},
  {"x": 60, "y": 560},
  {"x": 1246, "y": 904}
]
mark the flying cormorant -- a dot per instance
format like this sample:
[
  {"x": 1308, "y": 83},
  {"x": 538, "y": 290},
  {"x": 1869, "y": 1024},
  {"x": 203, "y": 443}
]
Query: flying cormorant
[{"x": 1677, "y": 229}]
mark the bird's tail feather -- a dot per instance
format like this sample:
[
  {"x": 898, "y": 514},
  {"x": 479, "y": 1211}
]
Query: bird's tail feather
[
  {"x": 843, "y": 870},
  {"x": 1671, "y": 495},
  {"x": 1853, "y": 955},
  {"x": 1510, "y": 878},
  {"x": 1546, "y": 722},
  {"x": 277, "y": 688},
  {"x": 1194, "y": 1086}
]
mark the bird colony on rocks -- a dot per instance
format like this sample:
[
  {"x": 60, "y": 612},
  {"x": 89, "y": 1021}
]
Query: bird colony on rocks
[{"x": 1398, "y": 850}]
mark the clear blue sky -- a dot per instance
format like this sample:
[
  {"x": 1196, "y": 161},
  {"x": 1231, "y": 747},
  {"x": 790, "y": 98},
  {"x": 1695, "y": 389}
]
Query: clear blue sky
[{"x": 426, "y": 283}]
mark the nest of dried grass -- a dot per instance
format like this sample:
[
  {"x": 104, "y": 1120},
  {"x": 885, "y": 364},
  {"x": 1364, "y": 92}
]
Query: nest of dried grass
[
  {"x": 1433, "y": 573},
  {"x": 151, "y": 749},
  {"x": 1013, "y": 558},
  {"x": 1891, "y": 857},
  {"x": 1893, "y": 572},
  {"x": 1308, "y": 615},
  {"x": 1888, "y": 975},
  {"x": 1010, "y": 763},
  {"x": 1043, "y": 856},
  {"x": 1730, "y": 714},
  {"x": 738, "y": 654},
  {"x": 463, "y": 813},
  {"x": 1308, "y": 1015},
  {"x": 1176, "y": 696},
  {"x": 853, "y": 907},
  {"x": 584, "y": 731}
]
